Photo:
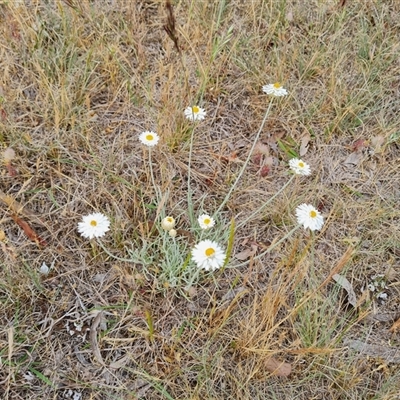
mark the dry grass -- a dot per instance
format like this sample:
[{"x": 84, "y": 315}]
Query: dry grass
[{"x": 81, "y": 80}]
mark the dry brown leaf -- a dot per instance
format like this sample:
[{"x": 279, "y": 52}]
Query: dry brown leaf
[
  {"x": 93, "y": 338},
  {"x": 391, "y": 273},
  {"x": 120, "y": 363},
  {"x": 247, "y": 253},
  {"x": 347, "y": 286},
  {"x": 395, "y": 327},
  {"x": 305, "y": 140},
  {"x": 29, "y": 231},
  {"x": 278, "y": 368},
  {"x": 80, "y": 357},
  {"x": 339, "y": 266},
  {"x": 232, "y": 293},
  {"x": 354, "y": 158}
]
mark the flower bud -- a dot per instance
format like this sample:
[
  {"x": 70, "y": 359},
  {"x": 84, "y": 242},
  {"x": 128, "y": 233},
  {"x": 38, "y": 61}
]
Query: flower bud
[
  {"x": 168, "y": 223},
  {"x": 172, "y": 233}
]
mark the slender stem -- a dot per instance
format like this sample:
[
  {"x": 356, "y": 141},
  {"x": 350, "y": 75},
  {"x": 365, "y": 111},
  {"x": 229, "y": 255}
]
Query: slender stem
[
  {"x": 247, "y": 160},
  {"x": 193, "y": 278},
  {"x": 267, "y": 202},
  {"x": 184, "y": 72},
  {"x": 112, "y": 255},
  {"x": 189, "y": 189},
  {"x": 271, "y": 247},
  {"x": 312, "y": 269},
  {"x": 152, "y": 175}
]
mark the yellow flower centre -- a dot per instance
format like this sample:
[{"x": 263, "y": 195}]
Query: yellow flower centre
[
  {"x": 93, "y": 222},
  {"x": 277, "y": 85},
  {"x": 195, "y": 109},
  {"x": 301, "y": 165},
  {"x": 170, "y": 219},
  {"x": 209, "y": 252},
  {"x": 149, "y": 137},
  {"x": 207, "y": 221},
  {"x": 313, "y": 214}
]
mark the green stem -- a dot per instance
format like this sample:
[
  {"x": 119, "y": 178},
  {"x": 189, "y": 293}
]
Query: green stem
[
  {"x": 112, "y": 255},
  {"x": 193, "y": 278},
  {"x": 247, "y": 160}
]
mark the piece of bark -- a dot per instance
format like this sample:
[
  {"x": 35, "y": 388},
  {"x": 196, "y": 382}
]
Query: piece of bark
[{"x": 389, "y": 354}]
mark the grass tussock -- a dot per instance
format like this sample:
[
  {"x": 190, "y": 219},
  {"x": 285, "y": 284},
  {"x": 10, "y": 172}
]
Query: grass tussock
[{"x": 131, "y": 316}]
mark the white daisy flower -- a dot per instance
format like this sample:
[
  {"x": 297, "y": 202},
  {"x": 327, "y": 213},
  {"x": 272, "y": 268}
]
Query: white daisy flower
[
  {"x": 149, "y": 138},
  {"x": 309, "y": 217},
  {"x": 195, "y": 113},
  {"x": 208, "y": 255},
  {"x": 299, "y": 167},
  {"x": 274, "y": 89},
  {"x": 168, "y": 223},
  {"x": 205, "y": 221},
  {"x": 93, "y": 225}
]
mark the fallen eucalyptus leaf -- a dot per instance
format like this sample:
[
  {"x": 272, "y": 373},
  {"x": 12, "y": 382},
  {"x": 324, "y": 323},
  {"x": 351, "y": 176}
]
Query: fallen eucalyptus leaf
[
  {"x": 346, "y": 285},
  {"x": 395, "y": 327},
  {"x": 93, "y": 338},
  {"x": 305, "y": 140},
  {"x": 354, "y": 158},
  {"x": 246, "y": 253},
  {"x": 278, "y": 368},
  {"x": 29, "y": 231}
]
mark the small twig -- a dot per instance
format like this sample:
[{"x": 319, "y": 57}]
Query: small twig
[
  {"x": 170, "y": 25},
  {"x": 170, "y": 28}
]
